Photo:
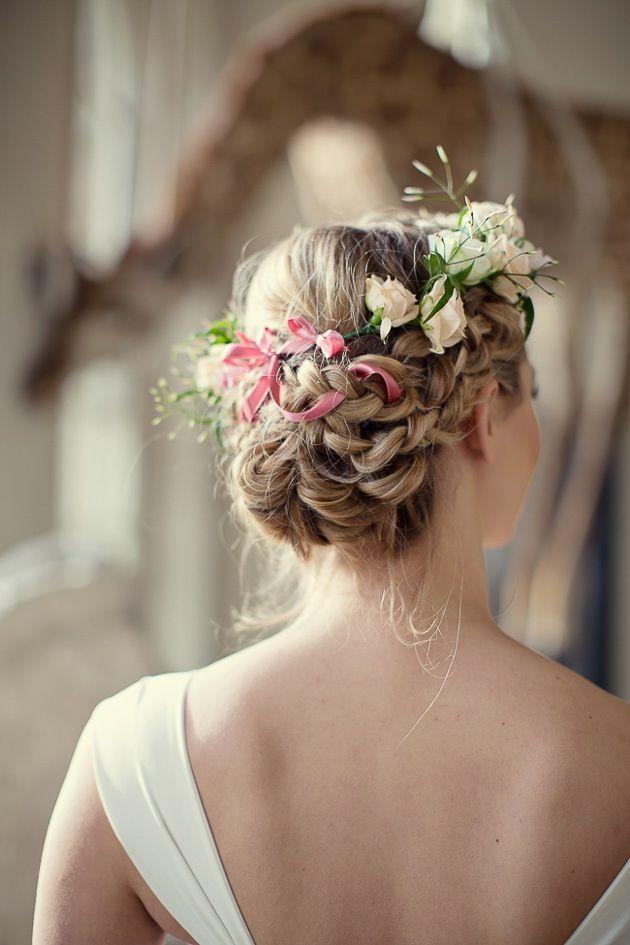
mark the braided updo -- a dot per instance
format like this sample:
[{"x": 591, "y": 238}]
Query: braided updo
[{"x": 363, "y": 473}]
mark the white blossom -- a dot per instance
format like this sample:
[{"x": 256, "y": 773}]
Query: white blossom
[
  {"x": 447, "y": 326},
  {"x": 514, "y": 264},
  {"x": 392, "y": 301},
  {"x": 208, "y": 369},
  {"x": 491, "y": 218},
  {"x": 537, "y": 258},
  {"x": 460, "y": 251}
]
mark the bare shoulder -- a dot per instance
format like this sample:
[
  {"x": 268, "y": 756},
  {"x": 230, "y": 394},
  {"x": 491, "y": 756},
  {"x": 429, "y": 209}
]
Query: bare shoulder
[
  {"x": 583, "y": 734},
  {"x": 595, "y": 727},
  {"x": 580, "y": 706},
  {"x": 228, "y": 695},
  {"x": 232, "y": 683}
]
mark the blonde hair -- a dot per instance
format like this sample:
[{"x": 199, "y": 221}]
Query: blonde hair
[{"x": 361, "y": 478}]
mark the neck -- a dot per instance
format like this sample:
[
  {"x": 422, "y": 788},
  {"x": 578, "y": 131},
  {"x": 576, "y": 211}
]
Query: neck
[{"x": 436, "y": 588}]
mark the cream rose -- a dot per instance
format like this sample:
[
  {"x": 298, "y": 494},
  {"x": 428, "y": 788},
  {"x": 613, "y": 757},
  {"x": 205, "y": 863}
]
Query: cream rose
[
  {"x": 208, "y": 369},
  {"x": 493, "y": 218},
  {"x": 460, "y": 251},
  {"x": 447, "y": 326},
  {"x": 514, "y": 262},
  {"x": 537, "y": 258},
  {"x": 389, "y": 299},
  {"x": 507, "y": 288}
]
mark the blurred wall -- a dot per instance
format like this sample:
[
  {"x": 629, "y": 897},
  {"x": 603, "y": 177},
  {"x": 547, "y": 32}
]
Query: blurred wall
[{"x": 36, "y": 62}]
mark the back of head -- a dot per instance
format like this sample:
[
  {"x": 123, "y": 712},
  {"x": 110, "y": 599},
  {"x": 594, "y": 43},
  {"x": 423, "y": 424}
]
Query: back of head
[
  {"x": 354, "y": 357},
  {"x": 361, "y": 477}
]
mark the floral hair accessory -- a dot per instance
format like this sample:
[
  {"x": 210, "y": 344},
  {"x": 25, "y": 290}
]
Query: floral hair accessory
[
  {"x": 223, "y": 356},
  {"x": 477, "y": 243},
  {"x": 305, "y": 336},
  {"x": 391, "y": 302},
  {"x": 242, "y": 357}
]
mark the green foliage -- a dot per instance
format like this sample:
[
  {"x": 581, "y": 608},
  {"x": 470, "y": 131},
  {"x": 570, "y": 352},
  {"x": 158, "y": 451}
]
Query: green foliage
[
  {"x": 449, "y": 288},
  {"x": 527, "y": 307},
  {"x": 222, "y": 331}
]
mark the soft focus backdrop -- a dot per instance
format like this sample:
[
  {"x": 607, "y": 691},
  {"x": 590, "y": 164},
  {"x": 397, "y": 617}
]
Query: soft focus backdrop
[{"x": 144, "y": 142}]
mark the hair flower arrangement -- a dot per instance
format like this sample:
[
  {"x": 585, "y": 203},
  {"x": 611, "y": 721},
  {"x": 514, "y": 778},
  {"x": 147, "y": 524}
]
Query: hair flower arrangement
[
  {"x": 222, "y": 357},
  {"x": 390, "y": 302},
  {"x": 477, "y": 243}
]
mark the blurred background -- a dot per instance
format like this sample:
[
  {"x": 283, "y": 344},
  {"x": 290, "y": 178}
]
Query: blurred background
[{"x": 144, "y": 143}]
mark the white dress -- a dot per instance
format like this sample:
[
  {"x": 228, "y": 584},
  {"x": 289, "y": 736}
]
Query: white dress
[{"x": 150, "y": 796}]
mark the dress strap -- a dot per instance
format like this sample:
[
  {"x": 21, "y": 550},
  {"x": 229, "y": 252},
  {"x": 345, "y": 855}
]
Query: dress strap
[
  {"x": 608, "y": 922},
  {"x": 148, "y": 791}
]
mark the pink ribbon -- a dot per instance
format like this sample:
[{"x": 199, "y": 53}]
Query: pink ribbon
[
  {"x": 241, "y": 358},
  {"x": 324, "y": 403},
  {"x": 247, "y": 354},
  {"x": 364, "y": 369},
  {"x": 332, "y": 398},
  {"x": 305, "y": 334}
]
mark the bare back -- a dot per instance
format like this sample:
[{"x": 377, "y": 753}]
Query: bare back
[{"x": 503, "y": 816}]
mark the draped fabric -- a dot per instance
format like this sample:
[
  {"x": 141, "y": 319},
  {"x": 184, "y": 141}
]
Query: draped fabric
[{"x": 149, "y": 794}]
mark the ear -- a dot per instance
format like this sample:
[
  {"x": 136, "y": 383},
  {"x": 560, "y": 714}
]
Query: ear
[{"x": 480, "y": 429}]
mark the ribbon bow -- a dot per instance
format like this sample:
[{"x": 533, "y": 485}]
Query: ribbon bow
[
  {"x": 247, "y": 354},
  {"x": 241, "y": 358},
  {"x": 305, "y": 334}
]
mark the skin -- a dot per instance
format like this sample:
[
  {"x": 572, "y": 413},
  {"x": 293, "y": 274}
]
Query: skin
[{"x": 393, "y": 801}]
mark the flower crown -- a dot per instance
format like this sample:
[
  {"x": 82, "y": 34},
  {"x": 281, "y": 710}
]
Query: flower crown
[{"x": 479, "y": 243}]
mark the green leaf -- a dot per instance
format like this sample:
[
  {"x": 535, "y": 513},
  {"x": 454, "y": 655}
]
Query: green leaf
[
  {"x": 436, "y": 264},
  {"x": 449, "y": 288},
  {"x": 180, "y": 395},
  {"x": 221, "y": 331},
  {"x": 377, "y": 316},
  {"x": 458, "y": 277},
  {"x": 528, "y": 310}
]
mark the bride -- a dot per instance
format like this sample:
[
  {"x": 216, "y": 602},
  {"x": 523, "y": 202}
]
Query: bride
[{"x": 390, "y": 768}]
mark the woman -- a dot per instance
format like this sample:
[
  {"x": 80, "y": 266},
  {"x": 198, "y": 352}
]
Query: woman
[{"x": 390, "y": 767}]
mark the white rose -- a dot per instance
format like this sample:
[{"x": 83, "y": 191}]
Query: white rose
[
  {"x": 389, "y": 299},
  {"x": 506, "y": 288},
  {"x": 493, "y": 218},
  {"x": 460, "y": 250},
  {"x": 537, "y": 258},
  {"x": 447, "y": 326},
  {"x": 514, "y": 262},
  {"x": 208, "y": 369},
  {"x": 505, "y": 255}
]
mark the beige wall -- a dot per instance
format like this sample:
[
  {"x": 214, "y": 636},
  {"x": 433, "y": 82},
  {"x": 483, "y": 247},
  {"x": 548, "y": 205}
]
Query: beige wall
[{"x": 35, "y": 101}]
